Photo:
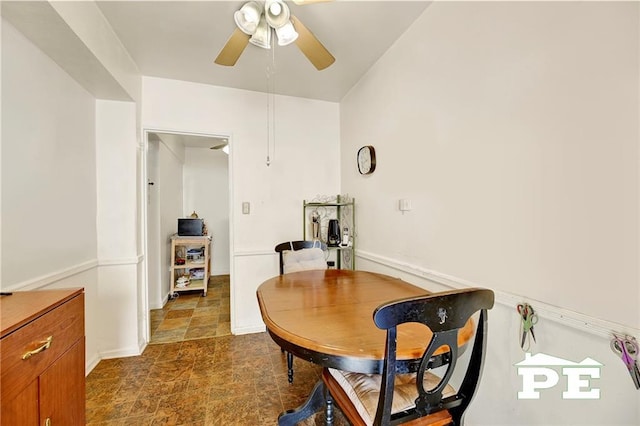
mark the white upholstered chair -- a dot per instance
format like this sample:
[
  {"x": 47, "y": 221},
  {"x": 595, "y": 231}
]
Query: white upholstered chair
[{"x": 298, "y": 256}]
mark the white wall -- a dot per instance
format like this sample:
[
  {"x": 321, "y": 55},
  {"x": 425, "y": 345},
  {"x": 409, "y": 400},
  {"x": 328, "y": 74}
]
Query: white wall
[
  {"x": 48, "y": 165},
  {"x": 304, "y": 163},
  {"x": 153, "y": 249},
  {"x": 513, "y": 129},
  {"x": 1, "y": 22},
  {"x": 169, "y": 189},
  {"x": 206, "y": 191},
  {"x": 116, "y": 150},
  {"x": 116, "y": 179},
  {"x": 69, "y": 179},
  {"x": 48, "y": 178},
  {"x": 87, "y": 22}
]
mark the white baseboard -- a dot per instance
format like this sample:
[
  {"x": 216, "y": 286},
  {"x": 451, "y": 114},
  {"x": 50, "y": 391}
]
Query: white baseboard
[
  {"x": 163, "y": 302},
  {"x": 90, "y": 364},
  {"x": 142, "y": 345},
  {"x": 248, "y": 330},
  {"x": 121, "y": 353}
]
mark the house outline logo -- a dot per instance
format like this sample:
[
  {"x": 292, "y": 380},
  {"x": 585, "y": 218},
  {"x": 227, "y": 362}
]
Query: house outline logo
[{"x": 541, "y": 364}]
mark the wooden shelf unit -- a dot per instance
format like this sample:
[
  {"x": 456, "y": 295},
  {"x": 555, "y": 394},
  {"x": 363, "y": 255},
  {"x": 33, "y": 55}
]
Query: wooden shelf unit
[{"x": 180, "y": 247}]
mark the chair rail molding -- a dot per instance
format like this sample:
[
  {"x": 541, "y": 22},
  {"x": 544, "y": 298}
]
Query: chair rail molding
[
  {"x": 568, "y": 318},
  {"x": 264, "y": 252},
  {"x": 53, "y": 277},
  {"x": 120, "y": 261}
]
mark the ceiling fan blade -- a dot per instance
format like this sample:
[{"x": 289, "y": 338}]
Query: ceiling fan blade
[
  {"x": 317, "y": 54},
  {"x": 231, "y": 51},
  {"x": 219, "y": 146}
]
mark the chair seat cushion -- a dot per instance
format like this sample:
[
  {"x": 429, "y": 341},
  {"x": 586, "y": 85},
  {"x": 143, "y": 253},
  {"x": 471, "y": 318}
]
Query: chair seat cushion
[
  {"x": 363, "y": 391},
  {"x": 303, "y": 260}
]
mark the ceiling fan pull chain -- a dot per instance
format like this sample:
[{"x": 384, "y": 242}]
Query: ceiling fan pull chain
[
  {"x": 268, "y": 119},
  {"x": 273, "y": 98},
  {"x": 271, "y": 106},
  {"x": 268, "y": 115}
]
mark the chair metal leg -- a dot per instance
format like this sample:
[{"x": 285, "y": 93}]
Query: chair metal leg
[
  {"x": 328, "y": 409},
  {"x": 290, "y": 367}
]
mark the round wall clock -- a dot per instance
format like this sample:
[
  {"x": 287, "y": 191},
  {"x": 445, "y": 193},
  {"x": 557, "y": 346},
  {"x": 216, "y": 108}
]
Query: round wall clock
[{"x": 366, "y": 160}]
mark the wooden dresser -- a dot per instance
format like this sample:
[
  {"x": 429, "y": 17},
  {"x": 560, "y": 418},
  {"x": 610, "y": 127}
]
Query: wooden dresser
[{"x": 42, "y": 358}]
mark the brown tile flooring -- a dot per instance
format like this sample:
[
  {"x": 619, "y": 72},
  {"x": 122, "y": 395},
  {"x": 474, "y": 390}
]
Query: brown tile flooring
[
  {"x": 223, "y": 380},
  {"x": 191, "y": 316}
]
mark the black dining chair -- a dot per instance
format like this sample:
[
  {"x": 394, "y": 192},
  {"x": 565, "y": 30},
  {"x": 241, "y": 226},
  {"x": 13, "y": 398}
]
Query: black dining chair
[
  {"x": 292, "y": 261},
  {"x": 417, "y": 396}
]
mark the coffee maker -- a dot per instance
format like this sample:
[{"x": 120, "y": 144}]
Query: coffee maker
[{"x": 333, "y": 233}]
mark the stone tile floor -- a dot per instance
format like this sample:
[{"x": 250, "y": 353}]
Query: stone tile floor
[
  {"x": 192, "y": 316},
  {"x": 199, "y": 380}
]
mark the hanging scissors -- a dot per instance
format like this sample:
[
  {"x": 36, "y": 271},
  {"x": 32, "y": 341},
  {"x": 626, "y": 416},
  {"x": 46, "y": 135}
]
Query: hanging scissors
[
  {"x": 528, "y": 319},
  {"x": 627, "y": 348}
]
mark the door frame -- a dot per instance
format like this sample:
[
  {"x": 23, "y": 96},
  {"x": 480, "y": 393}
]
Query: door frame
[{"x": 144, "y": 216}]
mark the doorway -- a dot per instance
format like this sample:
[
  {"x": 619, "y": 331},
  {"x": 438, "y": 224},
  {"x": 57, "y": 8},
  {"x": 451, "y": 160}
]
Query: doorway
[{"x": 186, "y": 173}]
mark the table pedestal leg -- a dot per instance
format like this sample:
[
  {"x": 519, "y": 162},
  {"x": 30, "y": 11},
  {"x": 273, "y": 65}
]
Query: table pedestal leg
[{"x": 311, "y": 405}]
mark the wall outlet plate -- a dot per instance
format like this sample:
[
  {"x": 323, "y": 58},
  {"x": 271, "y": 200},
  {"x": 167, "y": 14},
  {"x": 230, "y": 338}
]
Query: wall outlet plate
[{"x": 404, "y": 205}]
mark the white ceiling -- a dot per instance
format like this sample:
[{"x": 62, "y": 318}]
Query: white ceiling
[
  {"x": 180, "y": 39},
  {"x": 190, "y": 140}
]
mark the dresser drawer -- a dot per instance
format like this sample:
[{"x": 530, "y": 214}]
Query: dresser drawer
[{"x": 63, "y": 326}]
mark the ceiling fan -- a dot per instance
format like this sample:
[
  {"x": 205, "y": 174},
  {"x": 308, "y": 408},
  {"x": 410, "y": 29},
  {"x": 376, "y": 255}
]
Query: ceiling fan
[{"x": 256, "y": 23}]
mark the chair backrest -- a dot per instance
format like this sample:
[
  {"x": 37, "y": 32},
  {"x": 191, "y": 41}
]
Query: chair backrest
[
  {"x": 445, "y": 314},
  {"x": 296, "y": 245}
]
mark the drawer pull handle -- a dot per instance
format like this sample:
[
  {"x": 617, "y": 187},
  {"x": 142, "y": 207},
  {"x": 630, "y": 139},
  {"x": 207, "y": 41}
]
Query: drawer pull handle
[
  {"x": 47, "y": 422},
  {"x": 45, "y": 345}
]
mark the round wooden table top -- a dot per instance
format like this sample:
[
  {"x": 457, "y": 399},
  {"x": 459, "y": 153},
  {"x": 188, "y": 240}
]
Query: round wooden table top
[{"x": 326, "y": 316}]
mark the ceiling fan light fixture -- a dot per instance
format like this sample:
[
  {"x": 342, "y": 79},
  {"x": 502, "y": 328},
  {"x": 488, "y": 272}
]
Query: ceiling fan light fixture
[
  {"x": 255, "y": 25},
  {"x": 248, "y": 17},
  {"x": 286, "y": 34},
  {"x": 277, "y": 13},
  {"x": 262, "y": 36}
]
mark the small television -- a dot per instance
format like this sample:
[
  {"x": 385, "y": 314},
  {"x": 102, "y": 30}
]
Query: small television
[{"x": 190, "y": 227}]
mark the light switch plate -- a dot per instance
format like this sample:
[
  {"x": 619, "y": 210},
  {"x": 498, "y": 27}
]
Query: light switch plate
[{"x": 246, "y": 207}]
